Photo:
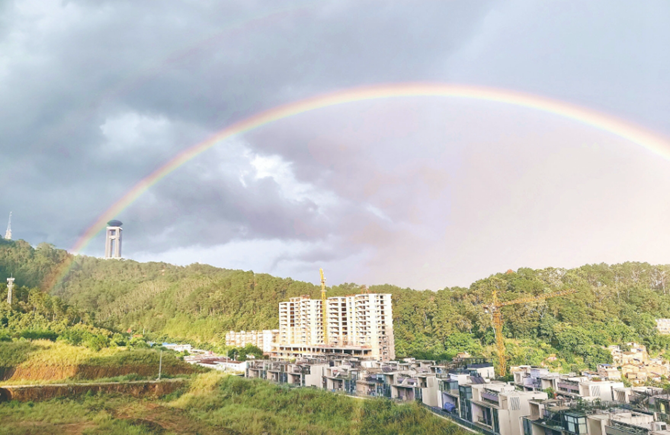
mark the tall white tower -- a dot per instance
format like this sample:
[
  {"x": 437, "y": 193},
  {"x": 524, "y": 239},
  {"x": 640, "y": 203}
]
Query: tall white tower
[
  {"x": 113, "y": 239},
  {"x": 10, "y": 288},
  {"x": 8, "y": 233}
]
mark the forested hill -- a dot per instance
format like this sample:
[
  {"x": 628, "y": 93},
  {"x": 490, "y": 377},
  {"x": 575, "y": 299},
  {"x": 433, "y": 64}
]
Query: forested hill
[{"x": 198, "y": 302}]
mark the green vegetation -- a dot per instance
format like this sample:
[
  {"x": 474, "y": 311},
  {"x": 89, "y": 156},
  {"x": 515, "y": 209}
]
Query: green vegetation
[
  {"x": 81, "y": 328},
  {"x": 242, "y": 353},
  {"x": 37, "y": 361},
  {"x": 200, "y": 303},
  {"x": 218, "y": 404}
]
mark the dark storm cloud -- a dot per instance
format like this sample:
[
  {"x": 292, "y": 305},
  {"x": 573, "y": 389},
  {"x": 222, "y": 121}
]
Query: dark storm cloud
[
  {"x": 97, "y": 95},
  {"x": 70, "y": 67}
]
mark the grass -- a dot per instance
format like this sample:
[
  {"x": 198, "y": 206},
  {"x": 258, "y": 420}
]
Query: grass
[
  {"x": 13, "y": 353},
  {"x": 36, "y": 353},
  {"x": 41, "y": 361},
  {"x": 214, "y": 403},
  {"x": 255, "y": 407}
]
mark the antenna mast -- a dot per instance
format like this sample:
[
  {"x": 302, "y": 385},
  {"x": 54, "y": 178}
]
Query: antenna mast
[{"x": 8, "y": 233}]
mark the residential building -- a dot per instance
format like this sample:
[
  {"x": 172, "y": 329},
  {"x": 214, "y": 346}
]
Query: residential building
[
  {"x": 532, "y": 378},
  {"x": 357, "y": 326},
  {"x": 637, "y": 366},
  {"x": 635, "y": 395},
  {"x": 553, "y": 417},
  {"x": 178, "y": 347},
  {"x": 636, "y": 354},
  {"x": 498, "y": 407},
  {"x": 342, "y": 378},
  {"x": 300, "y": 321},
  {"x": 609, "y": 372},
  {"x": 591, "y": 387},
  {"x": 452, "y": 388},
  {"x": 364, "y": 320},
  {"x": 306, "y": 374},
  {"x": 264, "y": 340},
  {"x": 557, "y": 417},
  {"x": 586, "y": 389},
  {"x": 663, "y": 326},
  {"x": 583, "y": 405}
]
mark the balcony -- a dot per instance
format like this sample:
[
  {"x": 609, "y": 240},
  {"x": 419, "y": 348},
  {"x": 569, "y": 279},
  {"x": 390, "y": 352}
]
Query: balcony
[
  {"x": 490, "y": 396},
  {"x": 484, "y": 422},
  {"x": 570, "y": 387}
]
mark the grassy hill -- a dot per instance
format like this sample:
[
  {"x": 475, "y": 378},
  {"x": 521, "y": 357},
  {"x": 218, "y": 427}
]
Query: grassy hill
[
  {"x": 217, "y": 404},
  {"x": 37, "y": 361},
  {"x": 613, "y": 303}
]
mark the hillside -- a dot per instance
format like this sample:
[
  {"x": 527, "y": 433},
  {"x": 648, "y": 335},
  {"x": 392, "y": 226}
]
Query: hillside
[
  {"x": 217, "y": 404},
  {"x": 39, "y": 361},
  {"x": 200, "y": 303}
]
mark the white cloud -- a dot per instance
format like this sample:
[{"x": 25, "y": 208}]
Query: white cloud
[
  {"x": 131, "y": 131},
  {"x": 281, "y": 172},
  {"x": 277, "y": 257}
]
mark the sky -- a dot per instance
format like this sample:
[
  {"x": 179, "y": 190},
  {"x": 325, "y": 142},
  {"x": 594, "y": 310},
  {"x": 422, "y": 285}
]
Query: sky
[{"x": 424, "y": 192}]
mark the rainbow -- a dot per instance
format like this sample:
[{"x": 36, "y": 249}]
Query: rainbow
[{"x": 653, "y": 142}]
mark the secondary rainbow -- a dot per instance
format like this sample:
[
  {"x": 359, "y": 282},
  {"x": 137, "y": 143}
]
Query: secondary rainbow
[{"x": 618, "y": 127}]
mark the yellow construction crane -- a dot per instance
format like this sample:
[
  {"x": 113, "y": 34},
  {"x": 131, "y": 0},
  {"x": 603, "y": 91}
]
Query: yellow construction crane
[
  {"x": 323, "y": 307},
  {"x": 494, "y": 309}
]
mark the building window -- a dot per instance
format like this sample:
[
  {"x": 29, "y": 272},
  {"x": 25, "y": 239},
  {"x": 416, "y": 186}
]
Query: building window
[
  {"x": 527, "y": 427},
  {"x": 575, "y": 424}
]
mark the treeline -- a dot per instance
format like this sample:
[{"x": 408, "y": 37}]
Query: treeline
[
  {"x": 34, "y": 314},
  {"x": 200, "y": 303}
]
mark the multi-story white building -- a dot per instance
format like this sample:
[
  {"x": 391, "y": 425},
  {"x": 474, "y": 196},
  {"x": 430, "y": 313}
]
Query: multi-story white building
[
  {"x": 557, "y": 417},
  {"x": 567, "y": 386},
  {"x": 264, "y": 340},
  {"x": 586, "y": 389},
  {"x": 364, "y": 320},
  {"x": 300, "y": 321},
  {"x": 498, "y": 407},
  {"x": 357, "y": 325}
]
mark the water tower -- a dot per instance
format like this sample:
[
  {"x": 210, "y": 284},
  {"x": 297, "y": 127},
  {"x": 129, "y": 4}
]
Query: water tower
[{"x": 113, "y": 239}]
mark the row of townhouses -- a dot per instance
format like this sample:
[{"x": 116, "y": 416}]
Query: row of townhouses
[
  {"x": 404, "y": 380},
  {"x": 536, "y": 402},
  {"x": 646, "y": 414}
]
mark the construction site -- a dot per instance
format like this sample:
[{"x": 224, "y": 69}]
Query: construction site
[{"x": 359, "y": 325}]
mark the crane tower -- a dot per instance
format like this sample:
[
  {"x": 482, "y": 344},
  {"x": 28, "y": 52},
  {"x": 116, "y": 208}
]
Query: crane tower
[{"x": 494, "y": 309}]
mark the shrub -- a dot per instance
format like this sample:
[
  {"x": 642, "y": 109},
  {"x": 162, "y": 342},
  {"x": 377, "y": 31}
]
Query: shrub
[
  {"x": 96, "y": 342},
  {"x": 118, "y": 340},
  {"x": 37, "y": 334},
  {"x": 73, "y": 336},
  {"x": 138, "y": 343}
]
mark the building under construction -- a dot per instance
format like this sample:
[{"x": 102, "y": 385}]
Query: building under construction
[{"x": 357, "y": 325}]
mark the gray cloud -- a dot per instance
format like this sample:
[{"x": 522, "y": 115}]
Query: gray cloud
[{"x": 423, "y": 192}]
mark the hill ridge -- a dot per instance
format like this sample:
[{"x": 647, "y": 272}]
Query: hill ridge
[{"x": 201, "y": 303}]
